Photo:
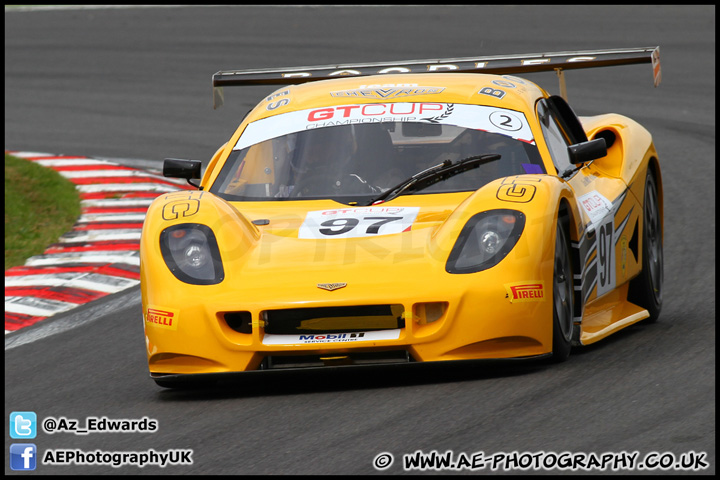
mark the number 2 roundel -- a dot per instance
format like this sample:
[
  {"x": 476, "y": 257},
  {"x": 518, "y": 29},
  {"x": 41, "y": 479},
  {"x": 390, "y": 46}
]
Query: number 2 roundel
[{"x": 506, "y": 121}]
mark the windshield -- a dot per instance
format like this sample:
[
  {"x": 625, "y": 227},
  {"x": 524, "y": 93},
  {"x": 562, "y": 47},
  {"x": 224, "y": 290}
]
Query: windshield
[{"x": 354, "y": 153}]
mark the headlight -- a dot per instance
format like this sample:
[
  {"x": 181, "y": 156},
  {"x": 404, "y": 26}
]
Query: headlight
[
  {"x": 485, "y": 240},
  {"x": 191, "y": 253}
]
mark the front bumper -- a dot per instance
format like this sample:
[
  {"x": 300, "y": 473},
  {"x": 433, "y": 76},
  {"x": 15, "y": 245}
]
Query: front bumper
[{"x": 460, "y": 317}]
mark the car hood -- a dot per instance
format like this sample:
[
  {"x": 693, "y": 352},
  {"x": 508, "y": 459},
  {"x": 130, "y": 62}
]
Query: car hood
[
  {"x": 311, "y": 233},
  {"x": 268, "y": 249},
  {"x": 281, "y": 263}
]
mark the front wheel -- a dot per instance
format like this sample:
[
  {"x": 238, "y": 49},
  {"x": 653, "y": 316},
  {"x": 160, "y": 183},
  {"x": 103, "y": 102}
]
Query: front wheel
[
  {"x": 563, "y": 325},
  {"x": 646, "y": 288}
]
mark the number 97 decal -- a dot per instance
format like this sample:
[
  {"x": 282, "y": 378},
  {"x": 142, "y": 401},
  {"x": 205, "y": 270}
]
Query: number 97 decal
[
  {"x": 605, "y": 256},
  {"x": 357, "y": 222}
]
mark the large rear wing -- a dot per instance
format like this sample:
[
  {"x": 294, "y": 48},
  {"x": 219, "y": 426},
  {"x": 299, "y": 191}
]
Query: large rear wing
[{"x": 499, "y": 65}]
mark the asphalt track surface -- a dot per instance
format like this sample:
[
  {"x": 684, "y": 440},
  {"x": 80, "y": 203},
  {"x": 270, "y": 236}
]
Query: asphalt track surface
[{"x": 135, "y": 84}]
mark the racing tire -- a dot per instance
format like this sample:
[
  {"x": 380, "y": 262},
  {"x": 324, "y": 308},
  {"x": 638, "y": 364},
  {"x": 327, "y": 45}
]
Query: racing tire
[
  {"x": 563, "y": 299},
  {"x": 646, "y": 289}
]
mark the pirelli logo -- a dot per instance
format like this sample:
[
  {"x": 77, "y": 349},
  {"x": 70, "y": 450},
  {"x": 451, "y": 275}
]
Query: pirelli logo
[
  {"x": 164, "y": 318},
  {"x": 525, "y": 292}
]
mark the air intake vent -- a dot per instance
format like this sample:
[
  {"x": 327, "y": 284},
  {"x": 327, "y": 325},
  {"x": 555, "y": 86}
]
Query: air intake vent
[
  {"x": 363, "y": 318},
  {"x": 239, "y": 321}
]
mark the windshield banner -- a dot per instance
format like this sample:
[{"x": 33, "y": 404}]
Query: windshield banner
[{"x": 479, "y": 117}]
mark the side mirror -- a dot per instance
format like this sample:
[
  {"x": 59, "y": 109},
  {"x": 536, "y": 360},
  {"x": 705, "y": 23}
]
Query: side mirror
[
  {"x": 187, "y": 169},
  {"x": 587, "y": 151},
  {"x": 176, "y": 168}
]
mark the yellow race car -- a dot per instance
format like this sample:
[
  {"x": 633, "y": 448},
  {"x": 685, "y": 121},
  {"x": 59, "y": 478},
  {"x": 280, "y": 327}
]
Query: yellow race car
[{"x": 405, "y": 212}]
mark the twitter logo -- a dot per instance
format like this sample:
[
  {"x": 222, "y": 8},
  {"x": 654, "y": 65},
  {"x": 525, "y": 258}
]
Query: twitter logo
[{"x": 23, "y": 425}]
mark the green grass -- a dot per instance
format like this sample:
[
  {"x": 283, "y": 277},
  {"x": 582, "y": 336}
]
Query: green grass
[{"x": 40, "y": 206}]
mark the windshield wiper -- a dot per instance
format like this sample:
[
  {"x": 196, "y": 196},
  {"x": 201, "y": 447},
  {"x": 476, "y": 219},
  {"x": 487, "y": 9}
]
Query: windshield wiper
[{"x": 433, "y": 175}]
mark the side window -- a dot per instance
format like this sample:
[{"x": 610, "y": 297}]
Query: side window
[{"x": 554, "y": 137}]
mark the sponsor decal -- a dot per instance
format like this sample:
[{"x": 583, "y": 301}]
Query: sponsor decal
[
  {"x": 181, "y": 204},
  {"x": 517, "y": 189},
  {"x": 161, "y": 317},
  {"x": 279, "y": 94},
  {"x": 373, "y": 110},
  {"x": 387, "y": 91},
  {"x": 595, "y": 205},
  {"x": 525, "y": 292},
  {"x": 463, "y": 65},
  {"x": 331, "y": 286},
  {"x": 503, "y": 83},
  {"x": 493, "y": 92},
  {"x": 279, "y": 103},
  {"x": 180, "y": 208},
  {"x": 313, "y": 338}
]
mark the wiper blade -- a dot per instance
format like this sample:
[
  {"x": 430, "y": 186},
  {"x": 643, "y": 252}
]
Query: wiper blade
[{"x": 433, "y": 175}]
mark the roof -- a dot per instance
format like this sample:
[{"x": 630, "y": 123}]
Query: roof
[{"x": 504, "y": 91}]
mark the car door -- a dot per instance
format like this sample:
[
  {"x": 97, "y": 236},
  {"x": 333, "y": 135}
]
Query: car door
[{"x": 605, "y": 201}]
